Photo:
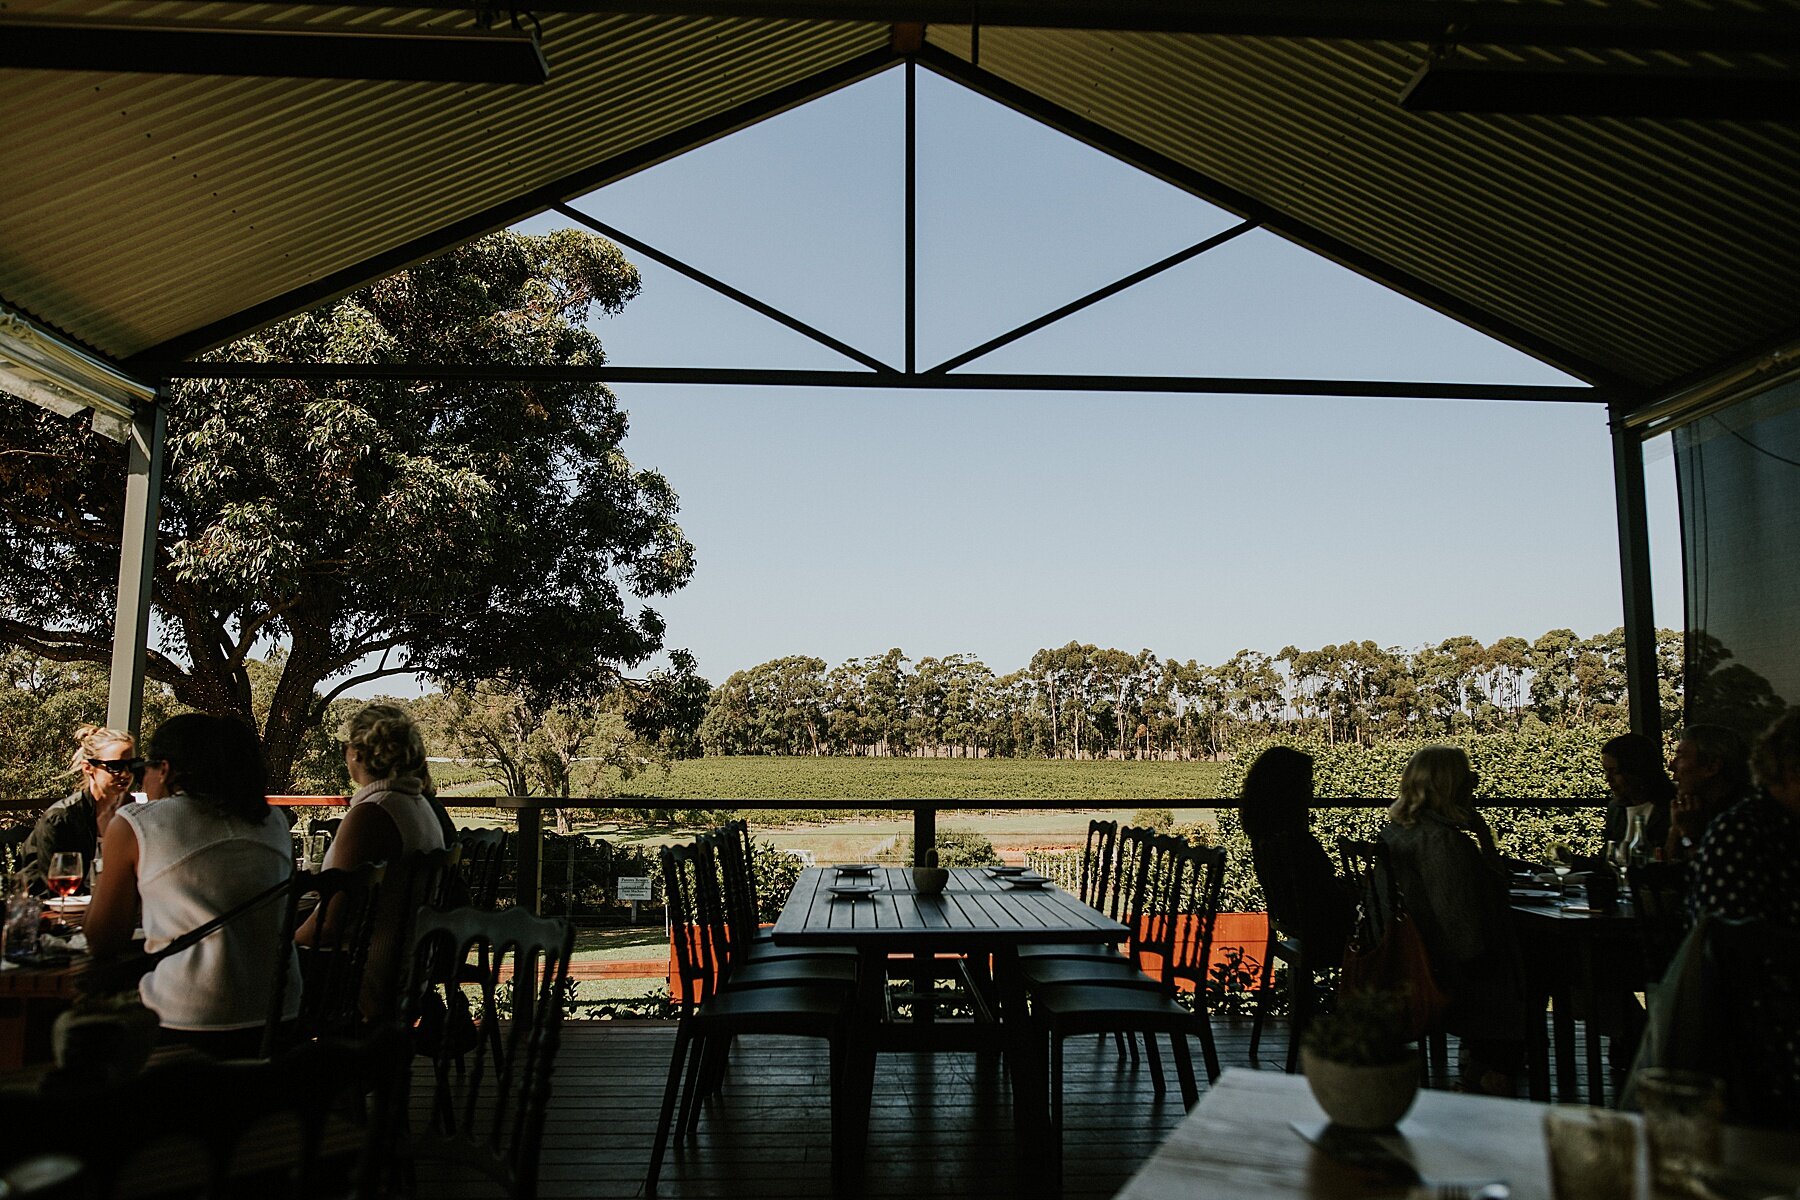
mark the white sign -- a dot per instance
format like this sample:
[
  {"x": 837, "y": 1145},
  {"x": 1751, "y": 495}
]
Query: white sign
[{"x": 635, "y": 887}]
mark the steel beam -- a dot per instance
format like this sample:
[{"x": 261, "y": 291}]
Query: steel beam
[
  {"x": 1093, "y": 297},
  {"x": 1473, "y": 22},
  {"x": 137, "y": 568},
  {"x": 1642, "y": 688},
  {"x": 724, "y": 289},
  {"x": 1301, "y": 233},
  {"x": 1697, "y": 92},
  {"x": 579, "y": 183},
  {"x": 892, "y": 380}
]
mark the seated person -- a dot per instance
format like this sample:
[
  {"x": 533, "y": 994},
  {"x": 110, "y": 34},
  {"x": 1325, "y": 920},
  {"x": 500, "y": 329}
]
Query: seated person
[
  {"x": 391, "y": 817},
  {"x": 105, "y": 759},
  {"x": 1748, "y": 869},
  {"x": 210, "y": 843},
  {"x": 1304, "y": 895},
  {"x": 1453, "y": 883},
  {"x": 1638, "y": 783},
  {"x": 1712, "y": 773}
]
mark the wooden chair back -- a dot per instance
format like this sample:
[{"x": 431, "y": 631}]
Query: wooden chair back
[
  {"x": 483, "y": 856},
  {"x": 481, "y": 1104},
  {"x": 736, "y": 854},
  {"x": 1199, "y": 883},
  {"x": 696, "y": 937},
  {"x": 12, "y": 839},
  {"x": 1097, "y": 863},
  {"x": 1369, "y": 873},
  {"x": 332, "y": 965}
]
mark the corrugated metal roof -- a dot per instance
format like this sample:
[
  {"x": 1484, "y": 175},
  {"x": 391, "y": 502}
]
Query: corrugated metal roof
[
  {"x": 139, "y": 208},
  {"x": 1653, "y": 248}
]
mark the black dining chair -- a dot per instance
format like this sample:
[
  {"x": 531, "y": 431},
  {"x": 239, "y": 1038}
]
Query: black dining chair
[
  {"x": 735, "y": 855},
  {"x": 333, "y": 961},
  {"x": 1183, "y": 886},
  {"x": 480, "y": 1102},
  {"x": 479, "y": 867},
  {"x": 712, "y": 1013},
  {"x": 1304, "y": 976}
]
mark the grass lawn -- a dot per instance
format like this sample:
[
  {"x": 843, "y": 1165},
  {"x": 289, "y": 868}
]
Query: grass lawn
[{"x": 703, "y": 780}]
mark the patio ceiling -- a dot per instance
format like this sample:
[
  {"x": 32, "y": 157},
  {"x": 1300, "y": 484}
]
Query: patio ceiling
[{"x": 151, "y": 216}]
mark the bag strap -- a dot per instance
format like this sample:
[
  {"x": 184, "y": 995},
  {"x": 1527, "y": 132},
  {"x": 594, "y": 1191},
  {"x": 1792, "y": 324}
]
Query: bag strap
[{"x": 200, "y": 933}]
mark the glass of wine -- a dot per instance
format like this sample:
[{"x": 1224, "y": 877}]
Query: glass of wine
[
  {"x": 65, "y": 873},
  {"x": 1562, "y": 870}
]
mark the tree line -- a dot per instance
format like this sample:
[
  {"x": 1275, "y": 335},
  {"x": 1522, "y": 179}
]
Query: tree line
[{"x": 1083, "y": 701}]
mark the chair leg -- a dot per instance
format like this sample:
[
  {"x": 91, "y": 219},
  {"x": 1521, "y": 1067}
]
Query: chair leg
[
  {"x": 666, "y": 1116},
  {"x": 690, "y": 1096},
  {"x": 1262, "y": 996},
  {"x": 1209, "y": 1049},
  {"x": 1184, "y": 1069},
  {"x": 1056, "y": 1112},
  {"x": 1301, "y": 998},
  {"x": 1155, "y": 1057}
]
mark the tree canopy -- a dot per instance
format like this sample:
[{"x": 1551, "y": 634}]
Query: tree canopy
[{"x": 463, "y": 529}]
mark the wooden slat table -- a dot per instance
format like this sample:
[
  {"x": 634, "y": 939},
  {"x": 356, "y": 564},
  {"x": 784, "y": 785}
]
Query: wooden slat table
[
  {"x": 1584, "y": 960},
  {"x": 977, "y": 914},
  {"x": 1237, "y": 1145}
]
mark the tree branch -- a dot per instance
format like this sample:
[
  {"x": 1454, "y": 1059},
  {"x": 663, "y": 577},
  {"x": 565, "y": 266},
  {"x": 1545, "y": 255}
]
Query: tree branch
[{"x": 339, "y": 690}]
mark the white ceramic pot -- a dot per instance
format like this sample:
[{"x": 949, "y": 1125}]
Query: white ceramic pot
[{"x": 1361, "y": 1097}]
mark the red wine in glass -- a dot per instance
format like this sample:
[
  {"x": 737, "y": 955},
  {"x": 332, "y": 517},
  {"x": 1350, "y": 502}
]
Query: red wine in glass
[{"x": 64, "y": 885}]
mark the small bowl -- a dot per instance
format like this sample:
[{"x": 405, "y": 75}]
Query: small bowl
[{"x": 929, "y": 881}]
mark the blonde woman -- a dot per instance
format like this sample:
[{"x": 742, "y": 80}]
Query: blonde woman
[
  {"x": 106, "y": 763},
  {"x": 1453, "y": 883},
  {"x": 391, "y": 818}
]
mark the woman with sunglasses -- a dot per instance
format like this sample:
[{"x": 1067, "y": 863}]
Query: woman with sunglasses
[{"x": 105, "y": 760}]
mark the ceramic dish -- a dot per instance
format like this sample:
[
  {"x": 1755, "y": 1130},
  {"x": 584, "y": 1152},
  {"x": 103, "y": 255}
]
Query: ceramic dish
[
  {"x": 851, "y": 891},
  {"x": 68, "y": 901},
  {"x": 999, "y": 871},
  {"x": 855, "y": 868},
  {"x": 1028, "y": 882}
]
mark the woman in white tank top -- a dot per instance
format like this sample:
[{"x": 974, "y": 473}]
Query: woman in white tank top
[{"x": 208, "y": 844}]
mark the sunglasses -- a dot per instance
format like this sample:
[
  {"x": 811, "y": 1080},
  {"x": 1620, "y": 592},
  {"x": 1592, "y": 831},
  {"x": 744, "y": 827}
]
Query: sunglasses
[{"x": 117, "y": 766}]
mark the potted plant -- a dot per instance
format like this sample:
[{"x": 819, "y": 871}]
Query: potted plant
[{"x": 1361, "y": 1066}]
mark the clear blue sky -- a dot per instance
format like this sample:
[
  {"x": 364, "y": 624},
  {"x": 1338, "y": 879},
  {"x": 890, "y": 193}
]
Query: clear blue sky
[{"x": 839, "y": 524}]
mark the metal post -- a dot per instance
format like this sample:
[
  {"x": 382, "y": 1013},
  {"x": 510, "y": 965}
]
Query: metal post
[
  {"x": 137, "y": 567},
  {"x": 912, "y": 214},
  {"x": 924, "y": 834},
  {"x": 1642, "y": 689},
  {"x": 531, "y": 857}
]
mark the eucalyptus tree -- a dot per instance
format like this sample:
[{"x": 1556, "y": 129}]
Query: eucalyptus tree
[{"x": 465, "y": 529}]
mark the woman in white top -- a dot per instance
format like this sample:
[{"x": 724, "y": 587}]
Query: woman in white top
[
  {"x": 210, "y": 843},
  {"x": 390, "y": 820}
]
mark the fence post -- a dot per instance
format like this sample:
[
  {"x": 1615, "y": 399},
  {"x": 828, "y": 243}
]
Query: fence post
[{"x": 530, "y": 849}]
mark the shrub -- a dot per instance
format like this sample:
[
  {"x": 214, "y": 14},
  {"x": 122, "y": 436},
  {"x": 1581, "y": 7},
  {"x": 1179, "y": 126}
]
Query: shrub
[{"x": 955, "y": 847}]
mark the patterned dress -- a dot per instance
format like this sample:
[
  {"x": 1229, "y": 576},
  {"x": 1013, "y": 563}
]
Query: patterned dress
[{"x": 1749, "y": 870}]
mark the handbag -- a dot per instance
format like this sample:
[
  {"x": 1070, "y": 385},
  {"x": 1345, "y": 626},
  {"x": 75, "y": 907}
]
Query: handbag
[
  {"x": 102, "y": 976},
  {"x": 1396, "y": 962}
]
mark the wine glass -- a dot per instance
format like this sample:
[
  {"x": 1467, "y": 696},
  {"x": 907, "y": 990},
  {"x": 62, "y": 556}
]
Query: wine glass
[
  {"x": 65, "y": 873},
  {"x": 1562, "y": 870}
]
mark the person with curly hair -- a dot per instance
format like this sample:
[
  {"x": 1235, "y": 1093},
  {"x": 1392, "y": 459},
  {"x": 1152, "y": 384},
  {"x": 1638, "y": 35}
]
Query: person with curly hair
[
  {"x": 392, "y": 818},
  {"x": 106, "y": 762}
]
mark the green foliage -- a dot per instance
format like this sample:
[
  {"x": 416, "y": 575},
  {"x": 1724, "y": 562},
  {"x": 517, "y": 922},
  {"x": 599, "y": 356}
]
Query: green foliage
[
  {"x": 1546, "y": 763},
  {"x": 1231, "y": 983},
  {"x": 42, "y": 703},
  {"x": 955, "y": 848},
  {"x": 1365, "y": 1029},
  {"x": 1159, "y": 819},
  {"x": 469, "y": 530},
  {"x": 805, "y": 778}
]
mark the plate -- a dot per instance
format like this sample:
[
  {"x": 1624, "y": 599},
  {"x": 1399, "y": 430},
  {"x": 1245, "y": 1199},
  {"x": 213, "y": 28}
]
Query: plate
[
  {"x": 1028, "y": 883},
  {"x": 1000, "y": 871},
  {"x": 851, "y": 891},
  {"x": 67, "y": 902},
  {"x": 855, "y": 868}
]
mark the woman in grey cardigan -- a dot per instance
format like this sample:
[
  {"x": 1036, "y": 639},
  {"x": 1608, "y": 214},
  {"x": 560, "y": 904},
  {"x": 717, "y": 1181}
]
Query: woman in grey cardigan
[{"x": 1452, "y": 881}]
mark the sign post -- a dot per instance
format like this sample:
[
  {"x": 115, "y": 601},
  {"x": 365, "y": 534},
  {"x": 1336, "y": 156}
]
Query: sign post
[{"x": 635, "y": 888}]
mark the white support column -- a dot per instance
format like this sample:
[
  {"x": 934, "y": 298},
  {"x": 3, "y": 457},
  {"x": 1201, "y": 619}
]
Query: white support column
[{"x": 137, "y": 565}]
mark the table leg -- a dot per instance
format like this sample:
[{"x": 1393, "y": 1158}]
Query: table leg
[
  {"x": 1568, "y": 1079},
  {"x": 865, "y": 1036},
  {"x": 1025, "y": 1069}
]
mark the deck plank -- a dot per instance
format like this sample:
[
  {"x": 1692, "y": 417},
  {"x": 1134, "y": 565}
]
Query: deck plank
[{"x": 940, "y": 1123}]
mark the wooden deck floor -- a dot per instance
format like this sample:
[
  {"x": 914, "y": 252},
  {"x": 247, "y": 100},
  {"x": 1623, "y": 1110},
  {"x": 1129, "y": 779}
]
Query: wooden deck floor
[{"x": 940, "y": 1129}]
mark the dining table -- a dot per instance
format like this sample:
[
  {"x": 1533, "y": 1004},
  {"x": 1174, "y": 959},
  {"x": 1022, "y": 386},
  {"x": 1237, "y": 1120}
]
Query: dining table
[
  {"x": 983, "y": 914},
  {"x": 33, "y": 994},
  {"x": 1260, "y": 1135},
  {"x": 1587, "y": 960}
]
